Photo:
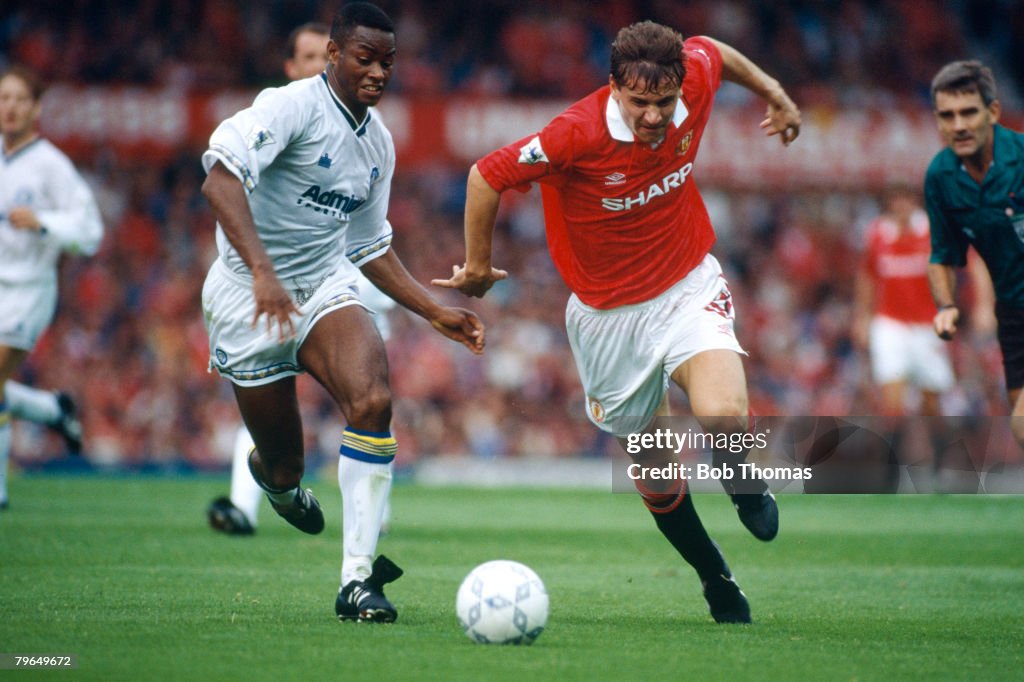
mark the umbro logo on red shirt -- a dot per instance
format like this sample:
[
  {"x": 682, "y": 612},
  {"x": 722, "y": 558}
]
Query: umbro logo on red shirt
[{"x": 615, "y": 179}]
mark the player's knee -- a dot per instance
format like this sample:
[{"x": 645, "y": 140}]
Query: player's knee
[
  {"x": 724, "y": 414},
  {"x": 371, "y": 410}
]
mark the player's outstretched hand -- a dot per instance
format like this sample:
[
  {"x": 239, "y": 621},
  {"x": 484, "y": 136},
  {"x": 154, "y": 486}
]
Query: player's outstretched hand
[
  {"x": 461, "y": 325},
  {"x": 782, "y": 119},
  {"x": 945, "y": 322},
  {"x": 470, "y": 285},
  {"x": 273, "y": 301}
]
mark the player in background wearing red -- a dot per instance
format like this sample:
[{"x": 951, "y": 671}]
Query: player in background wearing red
[
  {"x": 628, "y": 232},
  {"x": 893, "y": 313}
]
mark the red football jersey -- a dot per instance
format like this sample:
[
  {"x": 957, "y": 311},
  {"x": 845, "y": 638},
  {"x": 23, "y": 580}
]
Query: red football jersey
[
  {"x": 898, "y": 265},
  {"x": 625, "y": 220}
]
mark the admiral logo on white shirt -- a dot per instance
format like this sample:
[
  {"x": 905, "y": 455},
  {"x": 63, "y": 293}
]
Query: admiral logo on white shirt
[{"x": 531, "y": 153}]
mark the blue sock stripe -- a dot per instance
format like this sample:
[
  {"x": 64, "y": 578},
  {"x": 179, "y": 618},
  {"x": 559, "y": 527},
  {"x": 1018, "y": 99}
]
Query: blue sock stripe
[
  {"x": 363, "y": 447},
  {"x": 5, "y": 414},
  {"x": 363, "y": 457}
]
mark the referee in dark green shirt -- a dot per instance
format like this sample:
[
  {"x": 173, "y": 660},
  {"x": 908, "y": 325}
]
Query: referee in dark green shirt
[{"x": 974, "y": 193}]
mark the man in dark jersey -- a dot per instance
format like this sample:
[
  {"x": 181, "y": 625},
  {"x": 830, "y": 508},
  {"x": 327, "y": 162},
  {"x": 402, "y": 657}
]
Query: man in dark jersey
[{"x": 974, "y": 193}]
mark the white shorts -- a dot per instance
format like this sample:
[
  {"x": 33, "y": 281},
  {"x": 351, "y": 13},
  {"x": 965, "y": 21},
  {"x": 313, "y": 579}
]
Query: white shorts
[
  {"x": 626, "y": 355},
  {"x": 251, "y": 356},
  {"x": 28, "y": 311},
  {"x": 913, "y": 353}
]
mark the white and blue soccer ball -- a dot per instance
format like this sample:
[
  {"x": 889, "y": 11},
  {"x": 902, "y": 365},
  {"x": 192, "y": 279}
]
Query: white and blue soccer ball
[{"x": 502, "y": 602}]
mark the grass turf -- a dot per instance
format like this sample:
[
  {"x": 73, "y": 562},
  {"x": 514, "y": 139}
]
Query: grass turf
[{"x": 126, "y": 575}]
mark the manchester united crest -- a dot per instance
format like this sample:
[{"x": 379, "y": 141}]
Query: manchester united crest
[
  {"x": 684, "y": 144},
  {"x": 596, "y": 409}
]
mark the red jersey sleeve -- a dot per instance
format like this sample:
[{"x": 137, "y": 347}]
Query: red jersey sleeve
[
  {"x": 532, "y": 158},
  {"x": 703, "y": 55}
]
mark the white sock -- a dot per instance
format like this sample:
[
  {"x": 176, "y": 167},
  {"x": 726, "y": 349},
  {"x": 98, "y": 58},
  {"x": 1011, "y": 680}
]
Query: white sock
[
  {"x": 245, "y": 494},
  {"x": 32, "y": 404},
  {"x": 5, "y": 447},
  {"x": 365, "y": 487}
]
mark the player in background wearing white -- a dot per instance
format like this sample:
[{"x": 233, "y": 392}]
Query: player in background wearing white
[
  {"x": 300, "y": 184},
  {"x": 239, "y": 513},
  {"x": 46, "y": 209}
]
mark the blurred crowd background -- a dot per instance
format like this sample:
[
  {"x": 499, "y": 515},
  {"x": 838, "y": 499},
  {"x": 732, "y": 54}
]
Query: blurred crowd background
[{"x": 128, "y": 341}]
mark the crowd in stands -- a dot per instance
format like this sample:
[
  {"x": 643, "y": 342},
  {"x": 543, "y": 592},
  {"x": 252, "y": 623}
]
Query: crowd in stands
[
  {"x": 129, "y": 343},
  {"x": 855, "y": 52}
]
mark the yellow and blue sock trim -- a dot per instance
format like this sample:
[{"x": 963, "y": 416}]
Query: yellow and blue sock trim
[
  {"x": 5, "y": 414},
  {"x": 376, "y": 447}
]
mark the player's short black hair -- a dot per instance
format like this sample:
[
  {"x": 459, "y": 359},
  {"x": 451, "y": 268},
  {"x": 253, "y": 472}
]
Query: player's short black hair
[
  {"x": 650, "y": 53},
  {"x": 27, "y": 76},
  {"x": 967, "y": 76},
  {"x": 317, "y": 27},
  {"x": 356, "y": 14}
]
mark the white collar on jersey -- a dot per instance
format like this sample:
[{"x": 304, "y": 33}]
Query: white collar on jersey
[{"x": 617, "y": 125}]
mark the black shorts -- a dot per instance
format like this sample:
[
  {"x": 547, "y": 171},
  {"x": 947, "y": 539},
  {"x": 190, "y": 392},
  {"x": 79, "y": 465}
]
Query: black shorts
[{"x": 1011, "y": 341}]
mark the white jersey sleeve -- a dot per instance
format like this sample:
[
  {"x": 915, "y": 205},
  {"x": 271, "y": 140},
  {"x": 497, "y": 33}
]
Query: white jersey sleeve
[
  {"x": 248, "y": 142},
  {"x": 73, "y": 220}
]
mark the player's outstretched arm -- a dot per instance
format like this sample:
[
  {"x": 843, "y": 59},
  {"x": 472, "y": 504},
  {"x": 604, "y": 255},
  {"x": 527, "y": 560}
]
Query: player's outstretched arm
[
  {"x": 477, "y": 276},
  {"x": 782, "y": 117},
  {"x": 227, "y": 199},
  {"x": 390, "y": 276},
  {"x": 942, "y": 281}
]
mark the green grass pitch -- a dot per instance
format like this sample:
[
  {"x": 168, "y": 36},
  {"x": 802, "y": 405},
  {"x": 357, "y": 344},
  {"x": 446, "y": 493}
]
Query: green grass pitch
[{"x": 126, "y": 575}]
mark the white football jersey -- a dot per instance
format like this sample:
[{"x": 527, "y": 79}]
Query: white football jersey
[
  {"x": 40, "y": 177},
  {"x": 317, "y": 181}
]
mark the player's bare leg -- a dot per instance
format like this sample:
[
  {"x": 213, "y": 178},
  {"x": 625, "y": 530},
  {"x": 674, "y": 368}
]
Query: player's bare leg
[
  {"x": 271, "y": 413},
  {"x": 891, "y": 407},
  {"x": 345, "y": 353},
  {"x": 716, "y": 385},
  {"x": 1016, "y": 397},
  {"x": 10, "y": 360}
]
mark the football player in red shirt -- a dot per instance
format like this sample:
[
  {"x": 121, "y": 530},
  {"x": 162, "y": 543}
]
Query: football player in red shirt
[
  {"x": 893, "y": 308},
  {"x": 630, "y": 235}
]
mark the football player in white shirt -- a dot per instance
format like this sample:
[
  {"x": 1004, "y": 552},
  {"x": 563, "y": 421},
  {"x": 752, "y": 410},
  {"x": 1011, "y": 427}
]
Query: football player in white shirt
[
  {"x": 238, "y": 513},
  {"x": 299, "y": 183},
  {"x": 46, "y": 209}
]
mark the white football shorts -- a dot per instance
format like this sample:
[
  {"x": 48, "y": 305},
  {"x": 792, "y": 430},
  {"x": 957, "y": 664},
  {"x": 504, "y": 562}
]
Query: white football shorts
[
  {"x": 28, "y": 311},
  {"x": 902, "y": 351},
  {"x": 252, "y": 356},
  {"x": 626, "y": 355}
]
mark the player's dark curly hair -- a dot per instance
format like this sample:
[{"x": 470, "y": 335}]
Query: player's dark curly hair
[
  {"x": 648, "y": 53},
  {"x": 967, "y": 76},
  {"x": 356, "y": 14}
]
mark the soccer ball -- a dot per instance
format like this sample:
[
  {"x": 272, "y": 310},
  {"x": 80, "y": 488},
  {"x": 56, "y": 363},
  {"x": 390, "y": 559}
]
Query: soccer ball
[{"x": 502, "y": 602}]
